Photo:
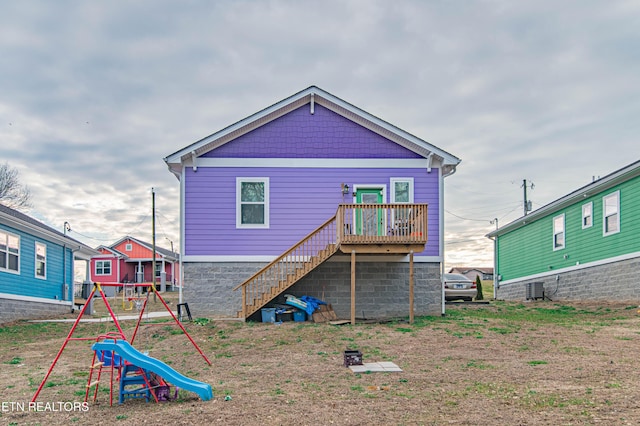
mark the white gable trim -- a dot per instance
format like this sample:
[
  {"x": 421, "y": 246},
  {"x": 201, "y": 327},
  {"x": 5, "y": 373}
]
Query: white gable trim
[
  {"x": 312, "y": 95},
  {"x": 414, "y": 163}
]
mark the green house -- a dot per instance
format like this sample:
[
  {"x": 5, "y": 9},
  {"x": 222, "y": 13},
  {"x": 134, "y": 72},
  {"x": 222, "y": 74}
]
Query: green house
[{"x": 585, "y": 245}]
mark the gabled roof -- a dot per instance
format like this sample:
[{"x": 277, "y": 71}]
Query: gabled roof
[
  {"x": 111, "y": 250},
  {"x": 312, "y": 95},
  {"x": 159, "y": 250},
  {"x": 619, "y": 176},
  {"x": 25, "y": 223},
  {"x": 465, "y": 269}
]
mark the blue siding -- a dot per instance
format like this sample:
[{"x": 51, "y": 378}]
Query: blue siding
[{"x": 25, "y": 283}]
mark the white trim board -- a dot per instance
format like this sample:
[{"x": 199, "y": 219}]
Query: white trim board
[
  {"x": 21, "y": 298},
  {"x": 576, "y": 267},
  {"x": 338, "y": 258}
]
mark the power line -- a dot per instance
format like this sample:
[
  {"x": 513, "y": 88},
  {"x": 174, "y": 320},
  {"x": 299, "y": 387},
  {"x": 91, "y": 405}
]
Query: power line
[{"x": 465, "y": 218}]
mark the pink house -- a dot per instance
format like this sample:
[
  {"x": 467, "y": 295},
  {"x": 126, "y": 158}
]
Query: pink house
[{"x": 129, "y": 260}]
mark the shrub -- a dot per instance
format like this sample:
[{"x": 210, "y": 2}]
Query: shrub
[{"x": 480, "y": 296}]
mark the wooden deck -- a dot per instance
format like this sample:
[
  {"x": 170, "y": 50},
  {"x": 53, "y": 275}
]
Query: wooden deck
[
  {"x": 355, "y": 229},
  {"x": 382, "y": 228}
]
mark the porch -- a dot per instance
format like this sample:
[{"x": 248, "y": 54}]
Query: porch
[{"x": 354, "y": 229}]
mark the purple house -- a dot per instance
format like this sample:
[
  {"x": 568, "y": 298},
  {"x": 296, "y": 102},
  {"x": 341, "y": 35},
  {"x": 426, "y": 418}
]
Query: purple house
[{"x": 312, "y": 196}]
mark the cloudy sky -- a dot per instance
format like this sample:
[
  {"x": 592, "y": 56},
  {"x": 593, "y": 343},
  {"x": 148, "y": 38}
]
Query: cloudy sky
[{"x": 94, "y": 94}]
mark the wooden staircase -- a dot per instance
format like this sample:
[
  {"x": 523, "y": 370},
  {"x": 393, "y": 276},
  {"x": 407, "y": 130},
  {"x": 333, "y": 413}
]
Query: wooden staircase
[
  {"x": 365, "y": 228},
  {"x": 289, "y": 268}
]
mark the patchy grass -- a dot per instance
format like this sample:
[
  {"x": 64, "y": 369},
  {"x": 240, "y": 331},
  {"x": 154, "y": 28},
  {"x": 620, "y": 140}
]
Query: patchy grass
[{"x": 514, "y": 363}]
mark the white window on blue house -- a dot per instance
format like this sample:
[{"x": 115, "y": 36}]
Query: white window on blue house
[
  {"x": 558, "y": 232},
  {"x": 587, "y": 215},
  {"x": 41, "y": 260},
  {"x": 611, "y": 213},
  {"x": 252, "y": 202},
  {"x": 103, "y": 267},
  {"x": 9, "y": 252}
]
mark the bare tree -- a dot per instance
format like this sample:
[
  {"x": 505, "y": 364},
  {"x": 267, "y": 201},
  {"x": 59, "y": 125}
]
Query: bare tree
[{"x": 12, "y": 193}]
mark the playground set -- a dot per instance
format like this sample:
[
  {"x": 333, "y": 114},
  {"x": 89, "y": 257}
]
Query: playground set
[{"x": 137, "y": 374}]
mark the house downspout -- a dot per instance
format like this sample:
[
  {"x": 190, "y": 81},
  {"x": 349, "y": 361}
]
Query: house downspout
[
  {"x": 181, "y": 254},
  {"x": 442, "y": 248}
]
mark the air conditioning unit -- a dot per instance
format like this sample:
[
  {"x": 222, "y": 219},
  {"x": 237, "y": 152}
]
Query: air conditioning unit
[{"x": 535, "y": 290}]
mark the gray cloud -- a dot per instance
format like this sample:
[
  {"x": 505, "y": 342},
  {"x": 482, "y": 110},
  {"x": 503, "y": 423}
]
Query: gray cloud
[{"x": 94, "y": 94}]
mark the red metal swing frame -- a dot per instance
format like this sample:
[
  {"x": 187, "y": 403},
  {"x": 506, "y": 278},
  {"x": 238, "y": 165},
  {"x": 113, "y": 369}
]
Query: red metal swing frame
[{"x": 97, "y": 287}]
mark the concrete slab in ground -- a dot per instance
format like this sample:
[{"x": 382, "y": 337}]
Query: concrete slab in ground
[{"x": 374, "y": 367}]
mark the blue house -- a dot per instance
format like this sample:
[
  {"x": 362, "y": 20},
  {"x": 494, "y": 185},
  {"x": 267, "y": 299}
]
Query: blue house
[
  {"x": 36, "y": 267},
  {"x": 288, "y": 200}
]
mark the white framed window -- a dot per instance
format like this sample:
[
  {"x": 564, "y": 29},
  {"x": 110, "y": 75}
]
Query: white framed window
[
  {"x": 128, "y": 247},
  {"x": 558, "y": 232},
  {"x": 587, "y": 215},
  {"x": 41, "y": 260},
  {"x": 9, "y": 252},
  {"x": 103, "y": 267},
  {"x": 401, "y": 190},
  {"x": 401, "y": 193},
  {"x": 252, "y": 202},
  {"x": 611, "y": 213}
]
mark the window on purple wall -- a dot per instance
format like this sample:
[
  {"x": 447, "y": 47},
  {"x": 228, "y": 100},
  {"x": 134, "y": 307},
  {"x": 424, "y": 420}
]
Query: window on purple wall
[{"x": 252, "y": 202}]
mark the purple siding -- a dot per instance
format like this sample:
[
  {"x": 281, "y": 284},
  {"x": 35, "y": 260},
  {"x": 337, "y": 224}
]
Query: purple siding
[
  {"x": 299, "y": 134},
  {"x": 300, "y": 200}
]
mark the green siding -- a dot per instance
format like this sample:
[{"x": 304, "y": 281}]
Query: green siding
[{"x": 529, "y": 250}]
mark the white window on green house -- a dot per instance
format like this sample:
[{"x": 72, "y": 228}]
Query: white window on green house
[
  {"x": 587, "y": 215},
  {"x": 103, "y": 267},
  {"x": 252, "y": 202},
  {"x": 611, "y": 213},
  {"x": 41, "y": 260},
  {"x": 9, "y": 252},
  {"x": 558, "y": 232}
]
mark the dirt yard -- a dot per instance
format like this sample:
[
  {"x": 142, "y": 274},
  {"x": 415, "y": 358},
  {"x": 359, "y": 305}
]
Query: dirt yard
[{"x": 542, "y": 363}]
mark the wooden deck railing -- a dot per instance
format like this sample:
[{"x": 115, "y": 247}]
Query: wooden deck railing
[
  {"x": 382, "y": 223},
  {"x": 378, "y": 224}
]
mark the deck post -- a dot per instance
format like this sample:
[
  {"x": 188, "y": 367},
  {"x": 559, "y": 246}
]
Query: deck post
[
  {"x": 411, "y": 287},
  {"x": 244, "y": 303},
  {"x": 353, "y": 287}
]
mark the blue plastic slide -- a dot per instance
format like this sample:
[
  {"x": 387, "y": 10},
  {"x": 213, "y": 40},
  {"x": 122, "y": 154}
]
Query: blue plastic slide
[{"x": 132, "y": 355}]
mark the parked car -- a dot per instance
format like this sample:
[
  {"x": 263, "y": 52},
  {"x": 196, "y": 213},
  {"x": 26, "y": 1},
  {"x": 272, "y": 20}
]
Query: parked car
[{"x": 457, "y": 286}]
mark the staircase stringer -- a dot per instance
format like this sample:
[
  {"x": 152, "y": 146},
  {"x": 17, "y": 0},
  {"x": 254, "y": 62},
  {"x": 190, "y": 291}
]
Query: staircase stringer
[{"x": 291, "y": 266}]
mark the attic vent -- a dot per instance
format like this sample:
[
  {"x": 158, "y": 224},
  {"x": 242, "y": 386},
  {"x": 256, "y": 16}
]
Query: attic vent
[
  {"x": 535, "y": 290},
  {"x": 128, "y": 247}
]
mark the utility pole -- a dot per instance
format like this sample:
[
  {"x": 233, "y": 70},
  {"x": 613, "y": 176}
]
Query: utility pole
[
  {"x": 527, "y": 203},
  {"x": 495, "y": 261},
  {"x": 153, "y": 233}
]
